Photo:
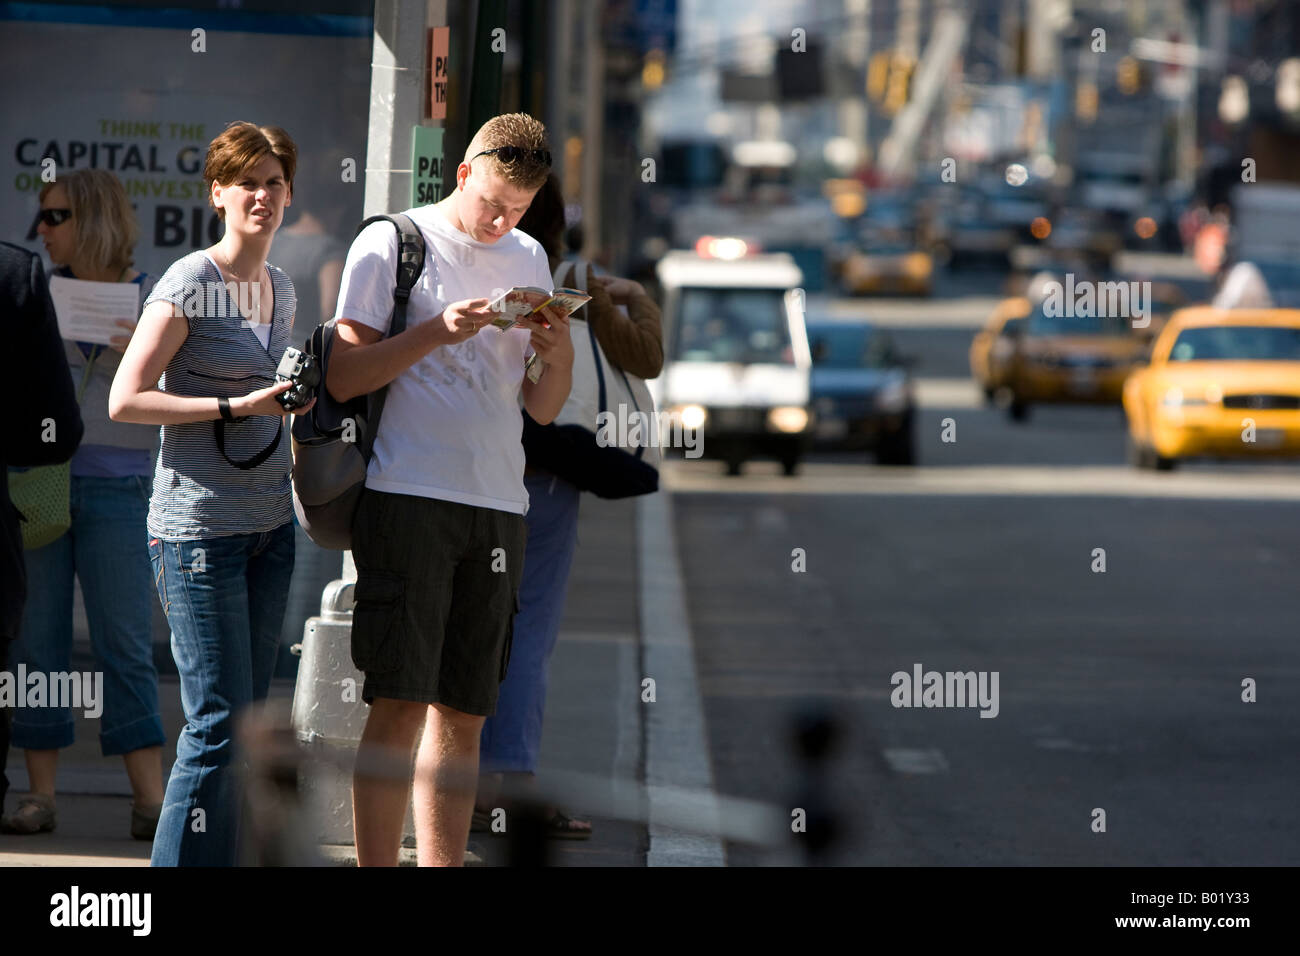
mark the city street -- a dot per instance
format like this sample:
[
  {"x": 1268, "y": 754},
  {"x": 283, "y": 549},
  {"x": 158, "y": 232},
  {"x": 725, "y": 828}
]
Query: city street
[{"x": 1120, "y": 690}]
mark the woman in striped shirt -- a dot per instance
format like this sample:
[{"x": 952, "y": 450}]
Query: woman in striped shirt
[{"x": 202, "y": 365}]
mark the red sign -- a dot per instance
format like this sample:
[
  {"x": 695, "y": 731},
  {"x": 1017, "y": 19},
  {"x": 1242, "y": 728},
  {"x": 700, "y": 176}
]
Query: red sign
[{"x": 439, "y": 39}]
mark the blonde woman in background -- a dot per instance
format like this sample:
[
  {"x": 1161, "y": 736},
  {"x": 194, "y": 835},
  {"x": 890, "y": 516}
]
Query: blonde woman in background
[{"x": 89, "y": 232}]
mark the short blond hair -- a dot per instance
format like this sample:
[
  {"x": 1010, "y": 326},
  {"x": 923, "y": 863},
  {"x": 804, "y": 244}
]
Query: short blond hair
[
  {"x": 102, "y": 218},
  {"x": 240, "y": 147},
  {"x": 512, "y": 129}
]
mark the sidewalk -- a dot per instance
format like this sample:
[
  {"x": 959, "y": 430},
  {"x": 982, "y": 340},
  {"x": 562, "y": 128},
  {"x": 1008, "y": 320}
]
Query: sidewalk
[{"x": 593, "y": 722}]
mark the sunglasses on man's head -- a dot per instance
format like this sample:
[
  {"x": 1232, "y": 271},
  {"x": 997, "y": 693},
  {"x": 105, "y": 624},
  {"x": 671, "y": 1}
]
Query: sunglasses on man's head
[
  {"x": 513, "y": 154},
  {"x": 55, "y": 217}
]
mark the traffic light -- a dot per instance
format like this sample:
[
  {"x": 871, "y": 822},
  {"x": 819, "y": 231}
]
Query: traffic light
[
  {"x": 899, "y": 86},
  {"x": 1085, "y": 101},
  {"x": 878, "y": 75},
  {"x": 1128, "y": 76}
]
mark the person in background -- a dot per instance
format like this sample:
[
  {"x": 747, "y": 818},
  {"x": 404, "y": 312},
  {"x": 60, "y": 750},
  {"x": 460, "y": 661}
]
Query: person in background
[
  {"x": 309, "y": 249},
  {"x": 311, "y": 253},
  {"x": 511, "y": 738},
  {"x": 89, "y": 231},
  {"x": 36, "y": 391},
  {"x": 202, "y": 364}
]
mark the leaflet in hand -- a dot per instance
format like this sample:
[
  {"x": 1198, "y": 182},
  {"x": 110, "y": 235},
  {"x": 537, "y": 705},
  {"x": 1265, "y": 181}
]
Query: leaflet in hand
[
  {"x": 88, "y": 311},
  {"x": 527, "y": 300}
]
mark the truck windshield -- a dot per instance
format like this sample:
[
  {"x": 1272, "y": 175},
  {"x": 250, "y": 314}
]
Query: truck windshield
[{"x": 733, "y": 325}]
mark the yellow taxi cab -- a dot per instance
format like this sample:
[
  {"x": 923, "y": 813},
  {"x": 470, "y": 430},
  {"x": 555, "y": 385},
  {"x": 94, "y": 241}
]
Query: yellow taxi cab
[
  {"x": 1071, "y": 359},
  {"x": 896, "y": 268},
  {"x": 1221, "y": 382},
  {"x": 994, "y": 345}
]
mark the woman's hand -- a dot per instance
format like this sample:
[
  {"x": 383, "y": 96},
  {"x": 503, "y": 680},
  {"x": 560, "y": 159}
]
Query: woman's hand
[
  {"x": 262, "y": 402},
  {"x": 620, "y": 290},
  {"x": 118, "y": 343}
]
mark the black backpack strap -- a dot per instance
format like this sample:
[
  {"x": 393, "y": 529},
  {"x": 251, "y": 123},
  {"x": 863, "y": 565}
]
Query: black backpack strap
[{"x": 410, "y": 266}]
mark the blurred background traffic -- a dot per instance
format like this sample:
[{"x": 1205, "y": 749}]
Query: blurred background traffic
[{"x": 952, "y": 153}]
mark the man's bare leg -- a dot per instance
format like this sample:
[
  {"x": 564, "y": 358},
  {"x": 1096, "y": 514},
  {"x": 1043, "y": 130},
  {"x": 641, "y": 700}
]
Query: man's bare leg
[
  {"x": 446, "y": 771},
  {"x": 379, "y": 798}
]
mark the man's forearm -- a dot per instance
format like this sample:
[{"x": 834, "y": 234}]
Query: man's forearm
[
  {"x": 362, "y": 369},
  {"x": 547, "y": 397}
]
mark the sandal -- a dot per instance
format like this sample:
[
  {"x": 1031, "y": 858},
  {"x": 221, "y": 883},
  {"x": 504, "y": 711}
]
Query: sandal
[
  {"x": 144, "y": 821},
  {"x": 35, "y": 814},
  {"x": 561, "y": 826}
]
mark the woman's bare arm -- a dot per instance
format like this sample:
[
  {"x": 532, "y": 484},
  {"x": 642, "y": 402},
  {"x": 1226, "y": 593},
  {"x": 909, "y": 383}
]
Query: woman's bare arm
[{"x": 135, "y": 397}]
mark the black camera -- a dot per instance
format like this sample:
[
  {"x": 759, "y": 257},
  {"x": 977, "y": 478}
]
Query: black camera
[{"x": 301, "y": 369}]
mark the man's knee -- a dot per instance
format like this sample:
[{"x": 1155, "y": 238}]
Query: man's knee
[
  {"x": 400, "y": 717},
  {"x": 457, "y": 720}
]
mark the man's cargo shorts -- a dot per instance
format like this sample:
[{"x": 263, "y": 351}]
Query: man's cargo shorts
[{"x": 436, "y": 594}]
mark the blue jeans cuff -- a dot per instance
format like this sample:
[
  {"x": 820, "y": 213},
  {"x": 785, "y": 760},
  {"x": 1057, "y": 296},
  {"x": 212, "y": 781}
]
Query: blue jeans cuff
[
  {"x": 517, "y": 762},
  {"x": 42, "y": 736},
  {"x": 145, "y": 731}
]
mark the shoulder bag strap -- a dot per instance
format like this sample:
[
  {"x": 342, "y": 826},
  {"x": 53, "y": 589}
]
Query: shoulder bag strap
[
  {"x": 410, "y": 265},
  {"x": 85, "y": 376},
  {"x": 560, "y": 269},
  {"x": 581, "y": 271}
]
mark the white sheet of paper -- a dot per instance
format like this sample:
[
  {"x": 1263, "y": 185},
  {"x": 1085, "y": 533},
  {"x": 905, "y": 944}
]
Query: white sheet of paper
[{"x": 88, "y": 311}]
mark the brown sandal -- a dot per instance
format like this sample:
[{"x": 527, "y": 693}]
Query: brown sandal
[{"x": 35, "y": 814}]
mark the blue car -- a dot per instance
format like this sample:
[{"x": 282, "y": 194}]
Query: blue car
[{"x": 861, "y": 391}]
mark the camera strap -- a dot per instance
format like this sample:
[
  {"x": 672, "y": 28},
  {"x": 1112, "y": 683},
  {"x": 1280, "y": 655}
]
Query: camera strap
[{"x": 219, "y": 429}]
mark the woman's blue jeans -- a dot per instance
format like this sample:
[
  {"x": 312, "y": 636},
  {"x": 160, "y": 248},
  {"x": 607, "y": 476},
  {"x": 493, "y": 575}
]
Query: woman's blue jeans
[
  {"x": 512, "y": 737},
  {"x": 224, "y": 599},
  {"x": 104, "y": 550}
]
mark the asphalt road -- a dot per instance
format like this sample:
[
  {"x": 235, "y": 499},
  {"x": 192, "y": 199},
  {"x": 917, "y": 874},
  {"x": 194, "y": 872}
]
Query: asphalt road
[{"x": 1118, "y": 690}]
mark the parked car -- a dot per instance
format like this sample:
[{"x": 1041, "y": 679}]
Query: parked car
[{"x": 862, "y": 393}]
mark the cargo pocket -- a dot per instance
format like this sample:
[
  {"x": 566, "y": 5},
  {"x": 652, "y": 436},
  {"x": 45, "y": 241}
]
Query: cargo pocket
[
  {"x": 510, "y": 643},
  {"x": 377, "y": 623}
]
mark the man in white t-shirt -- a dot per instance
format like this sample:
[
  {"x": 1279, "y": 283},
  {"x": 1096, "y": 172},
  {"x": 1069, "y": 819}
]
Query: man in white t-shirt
[{"x": 439, "y": 535}]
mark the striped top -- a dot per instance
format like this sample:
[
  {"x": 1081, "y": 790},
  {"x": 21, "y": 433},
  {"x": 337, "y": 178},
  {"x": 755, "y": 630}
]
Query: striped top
[{"x": 196, "y": 492}]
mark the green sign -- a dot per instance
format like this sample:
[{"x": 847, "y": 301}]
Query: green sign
[{"x": 426, "y": 165}]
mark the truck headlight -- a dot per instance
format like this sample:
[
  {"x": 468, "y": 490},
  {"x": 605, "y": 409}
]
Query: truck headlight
[
  {"x": 691, "y": 416},
  {"x": 788, "y": 418}
]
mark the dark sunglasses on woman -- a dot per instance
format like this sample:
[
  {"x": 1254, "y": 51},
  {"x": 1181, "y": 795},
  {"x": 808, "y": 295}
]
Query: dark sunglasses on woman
[{"x": 55, "y": 217}]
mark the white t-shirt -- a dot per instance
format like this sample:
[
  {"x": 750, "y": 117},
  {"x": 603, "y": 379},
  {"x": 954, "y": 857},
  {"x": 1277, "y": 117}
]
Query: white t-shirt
[
  {"x": 452, "y": 425},
  {"x": 263, "y": 332}
]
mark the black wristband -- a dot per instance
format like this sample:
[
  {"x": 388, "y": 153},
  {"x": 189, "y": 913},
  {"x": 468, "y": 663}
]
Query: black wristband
[{"x": 224, "y": 405}]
